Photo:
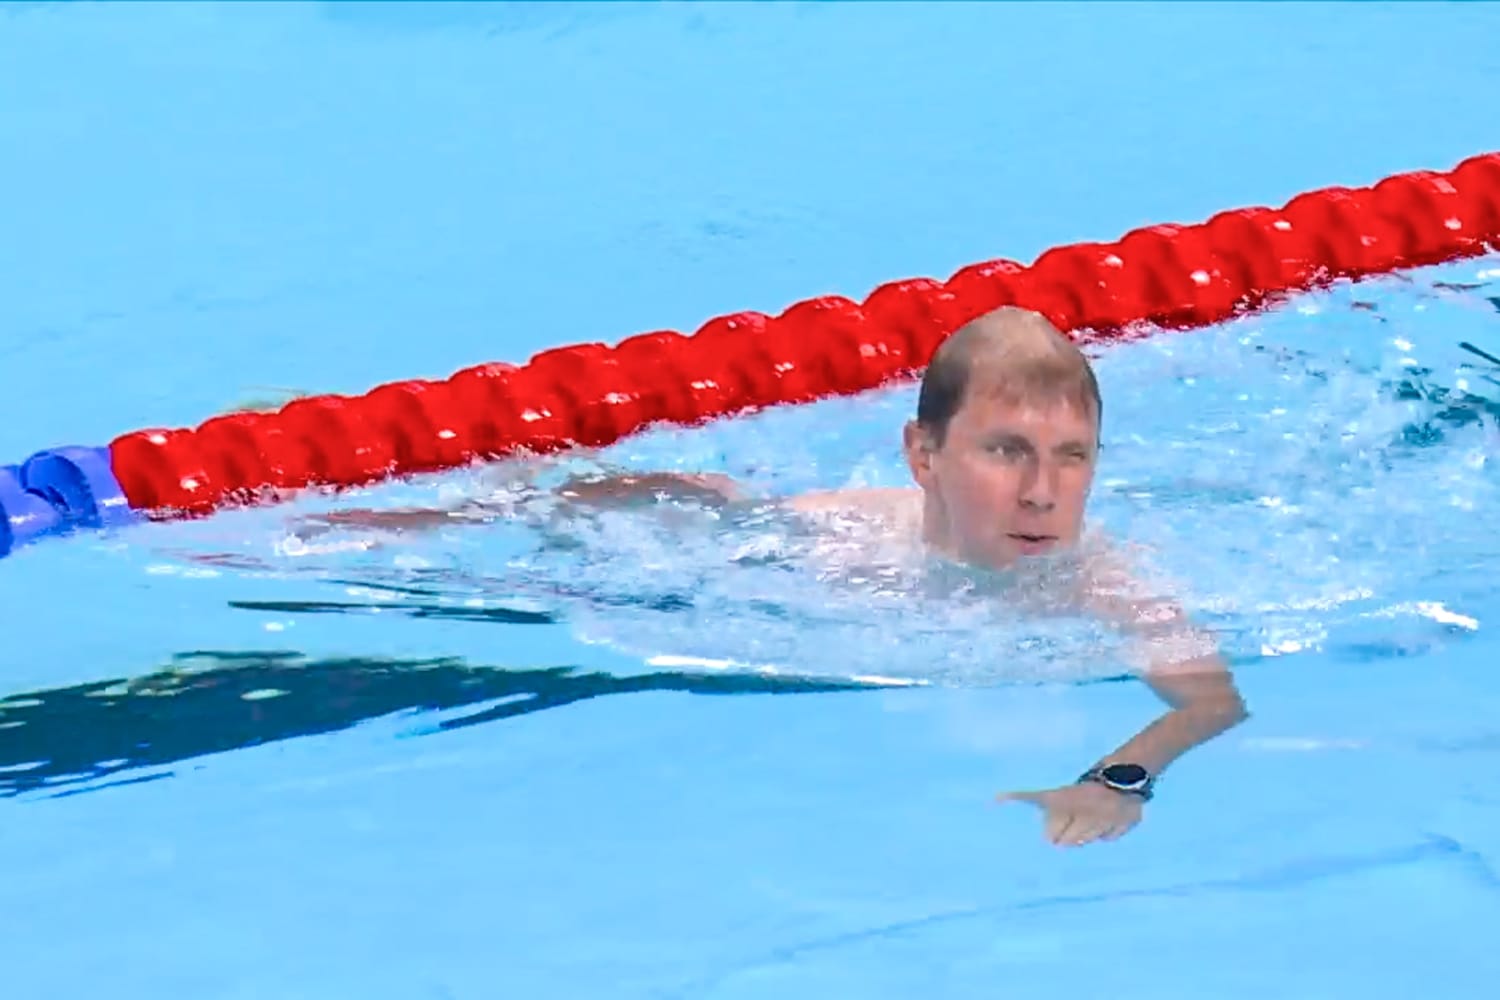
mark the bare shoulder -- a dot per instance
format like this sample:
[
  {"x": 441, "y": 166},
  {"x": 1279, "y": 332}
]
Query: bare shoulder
[
  {"x": 1118, "y": 583},
  {"x": 1120, "y": 586}
]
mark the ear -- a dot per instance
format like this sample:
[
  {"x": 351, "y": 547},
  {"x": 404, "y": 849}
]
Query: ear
[{"x": 919, "y": 447}]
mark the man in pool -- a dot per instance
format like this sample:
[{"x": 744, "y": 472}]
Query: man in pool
[{"x": 1003, "y": 450}]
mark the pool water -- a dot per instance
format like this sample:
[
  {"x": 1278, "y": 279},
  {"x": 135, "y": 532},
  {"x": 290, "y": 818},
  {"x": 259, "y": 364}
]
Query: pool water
[
  {"x": 647, "y": 755},
  {"x": 1314, "y": 477}
]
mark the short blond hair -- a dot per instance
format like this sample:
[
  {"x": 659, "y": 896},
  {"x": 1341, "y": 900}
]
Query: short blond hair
[{"x": 1028, "y": 358}]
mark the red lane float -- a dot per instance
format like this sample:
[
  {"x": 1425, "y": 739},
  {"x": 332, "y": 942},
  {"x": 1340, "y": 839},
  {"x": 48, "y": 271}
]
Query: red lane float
[{"x": 1171, "y": 276}]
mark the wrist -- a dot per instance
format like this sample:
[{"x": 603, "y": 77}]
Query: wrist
[{"x": 1122, "y": 777}]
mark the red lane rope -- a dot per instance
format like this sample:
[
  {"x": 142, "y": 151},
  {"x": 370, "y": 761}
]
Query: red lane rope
[{"x": 592, "y": 394}]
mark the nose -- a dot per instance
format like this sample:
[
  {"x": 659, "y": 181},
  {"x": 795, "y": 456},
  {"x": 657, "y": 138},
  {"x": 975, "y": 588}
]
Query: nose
[{"x": 1039, "y": 490}]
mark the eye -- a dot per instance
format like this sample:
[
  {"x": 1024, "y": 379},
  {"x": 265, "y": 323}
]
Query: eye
[{"x": 1008, "y": 449}]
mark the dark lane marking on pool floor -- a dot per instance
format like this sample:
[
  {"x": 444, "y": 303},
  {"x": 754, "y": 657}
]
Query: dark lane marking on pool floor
[{"x": 212, "y": 702}]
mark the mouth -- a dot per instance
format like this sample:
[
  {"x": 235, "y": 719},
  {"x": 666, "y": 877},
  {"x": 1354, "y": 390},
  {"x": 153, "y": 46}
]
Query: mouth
[{"x": 1032, "y": 543}]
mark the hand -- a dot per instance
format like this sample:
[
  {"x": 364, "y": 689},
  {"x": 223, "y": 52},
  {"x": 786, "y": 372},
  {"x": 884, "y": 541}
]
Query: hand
[{"x": 1081, "y": 813}]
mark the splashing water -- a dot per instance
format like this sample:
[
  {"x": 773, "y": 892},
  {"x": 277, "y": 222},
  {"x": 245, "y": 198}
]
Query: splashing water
[{"x": 1313, "y": 477}]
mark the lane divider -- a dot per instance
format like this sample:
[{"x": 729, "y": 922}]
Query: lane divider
[{"x": 1168, "y": 276}]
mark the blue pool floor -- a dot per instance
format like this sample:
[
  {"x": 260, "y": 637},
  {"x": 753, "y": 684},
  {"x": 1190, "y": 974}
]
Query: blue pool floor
[
  {"x": 202, "y": 200},
  {"x": 803, "y": 846}
]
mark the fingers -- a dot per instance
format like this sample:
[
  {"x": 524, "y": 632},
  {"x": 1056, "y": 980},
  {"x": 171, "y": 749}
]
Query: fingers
[
  {"x": 1075, "y": 829},
  {"x": 1070, "y": 830},
  {"x": 1072, "y": 821},
  {"x": 1059, "y": 825},
  {"x": 1064, "y": 827}
]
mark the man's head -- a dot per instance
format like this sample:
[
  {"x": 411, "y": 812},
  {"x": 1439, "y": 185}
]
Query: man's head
[{"x": 1005, "y": 439}]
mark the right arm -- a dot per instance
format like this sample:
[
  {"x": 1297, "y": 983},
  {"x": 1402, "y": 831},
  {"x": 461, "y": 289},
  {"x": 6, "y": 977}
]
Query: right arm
[{"x": 622, "y": 490}]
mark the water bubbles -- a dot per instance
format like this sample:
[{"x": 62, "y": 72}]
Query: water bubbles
[{"x": 1291, "y": 479}]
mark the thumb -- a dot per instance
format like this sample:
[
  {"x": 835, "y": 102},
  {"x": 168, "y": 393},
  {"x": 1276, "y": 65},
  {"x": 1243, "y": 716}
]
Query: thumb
[{"x": 1035, "y": 797}]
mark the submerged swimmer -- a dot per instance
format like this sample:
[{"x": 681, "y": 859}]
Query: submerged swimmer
[{"x": 1003, "y": 450}]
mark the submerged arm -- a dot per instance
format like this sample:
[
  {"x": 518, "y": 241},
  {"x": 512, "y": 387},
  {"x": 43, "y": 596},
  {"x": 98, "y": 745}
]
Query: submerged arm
[
  {"x": 597, "y": 491},
  {"x": 1182, "y": 665}
]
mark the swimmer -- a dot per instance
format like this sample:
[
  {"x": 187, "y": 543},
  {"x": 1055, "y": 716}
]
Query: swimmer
[{"x": 1002, "y": 449}]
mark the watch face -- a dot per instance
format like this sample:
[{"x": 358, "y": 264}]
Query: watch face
[{"x": 1125, "y": 775}]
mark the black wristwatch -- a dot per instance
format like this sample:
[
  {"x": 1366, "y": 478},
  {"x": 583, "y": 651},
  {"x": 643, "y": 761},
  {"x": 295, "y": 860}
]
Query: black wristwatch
[{"x": 1128, "y": 779}]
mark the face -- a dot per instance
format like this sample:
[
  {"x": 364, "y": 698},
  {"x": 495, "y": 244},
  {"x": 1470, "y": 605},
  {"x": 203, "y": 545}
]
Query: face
[{"x": 1010, "y": 479}]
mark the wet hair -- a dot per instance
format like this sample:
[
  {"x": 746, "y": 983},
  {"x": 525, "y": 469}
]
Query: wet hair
[{"x": 1027, "y": 358}]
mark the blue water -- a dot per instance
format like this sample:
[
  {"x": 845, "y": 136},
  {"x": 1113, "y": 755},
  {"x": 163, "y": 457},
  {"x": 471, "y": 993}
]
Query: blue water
[{"x": 528, "y": 772}]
